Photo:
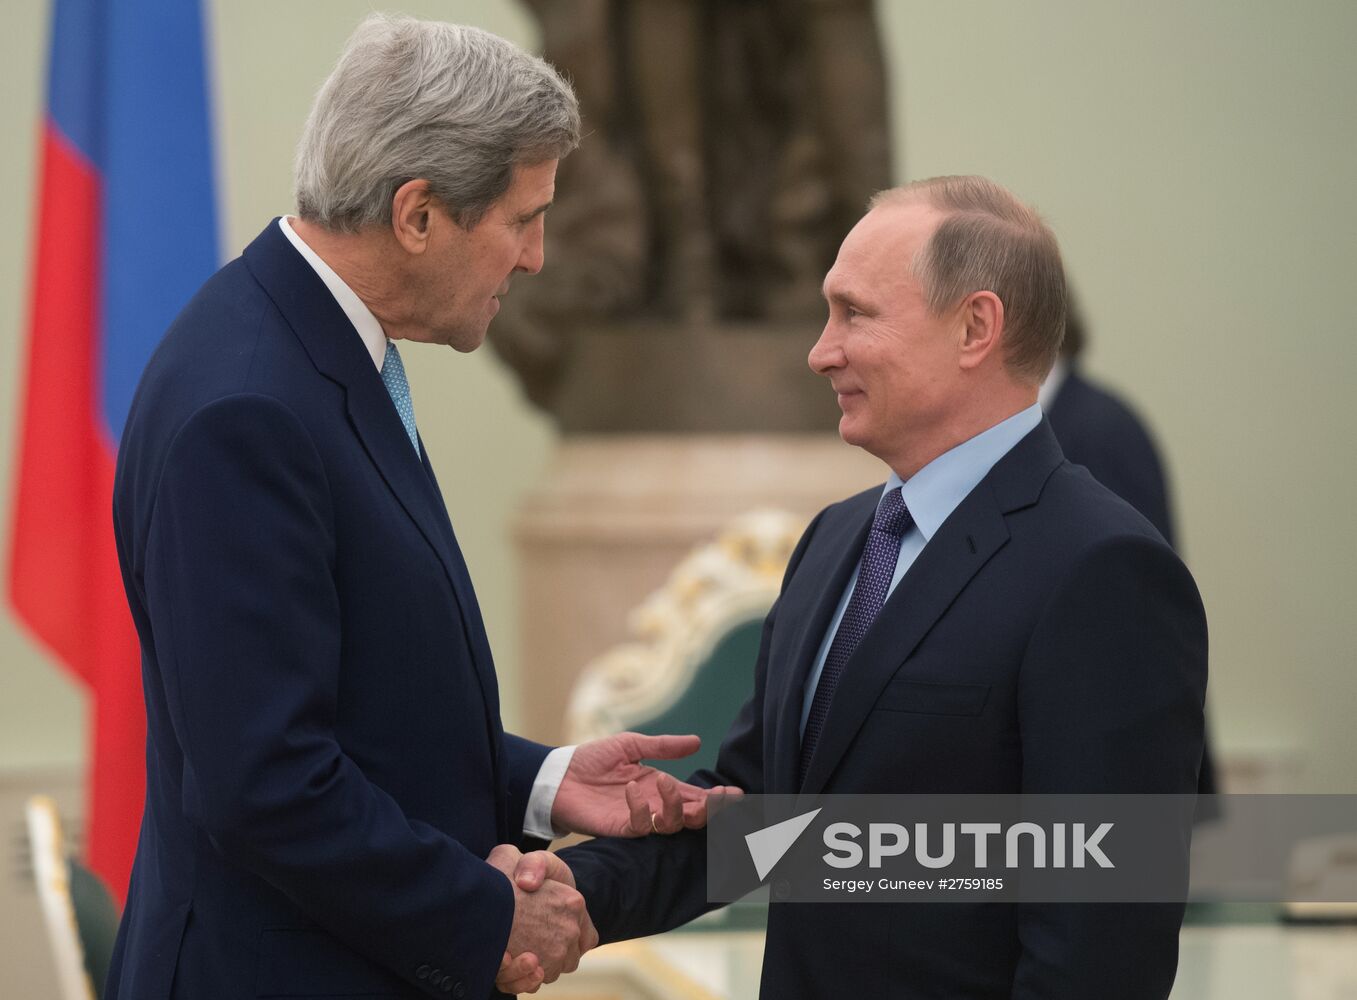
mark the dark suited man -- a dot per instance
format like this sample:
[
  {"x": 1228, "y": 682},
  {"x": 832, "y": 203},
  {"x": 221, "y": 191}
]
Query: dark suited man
[
  {"x": 1097, "y": 429},
  {"x": 332, "y": 803},
  {"x": 992, "y": 620}
]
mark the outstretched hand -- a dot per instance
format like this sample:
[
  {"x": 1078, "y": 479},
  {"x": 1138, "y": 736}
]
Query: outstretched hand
[{"x": 608, "y": 792}]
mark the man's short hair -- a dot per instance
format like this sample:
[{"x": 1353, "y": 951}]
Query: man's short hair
[
  {"x": 453, "y": 105},
  {"x": 991, "y": 241}
]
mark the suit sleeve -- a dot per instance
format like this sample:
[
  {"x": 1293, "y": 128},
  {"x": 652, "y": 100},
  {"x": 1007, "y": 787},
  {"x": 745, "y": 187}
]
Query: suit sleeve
[
  {"x": 1110, "y": 701},
  {"x": 523, "y": 760},
  {"x": 239, "y": 582},
  {"x": 638, "y": 887}
]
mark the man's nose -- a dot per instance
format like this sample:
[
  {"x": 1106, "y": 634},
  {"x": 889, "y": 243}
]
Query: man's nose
[
  {"x": 827, "y": 354},
  {"x": 534, "y": 253}
]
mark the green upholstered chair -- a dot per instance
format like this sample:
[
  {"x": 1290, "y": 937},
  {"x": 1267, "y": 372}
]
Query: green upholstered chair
[
  {"x": 80, "y": 914},
  {"x": 690, "y": 664}
]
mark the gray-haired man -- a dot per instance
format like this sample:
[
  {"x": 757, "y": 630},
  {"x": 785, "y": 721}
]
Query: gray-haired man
[{"x": 328, "y": 779}]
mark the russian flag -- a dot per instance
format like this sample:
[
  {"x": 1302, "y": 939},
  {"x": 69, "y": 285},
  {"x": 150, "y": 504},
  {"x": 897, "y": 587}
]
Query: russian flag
[{"x": 126, "y": 231}]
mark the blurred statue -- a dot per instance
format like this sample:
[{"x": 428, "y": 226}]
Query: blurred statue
[{"x": 729, "y": 146}]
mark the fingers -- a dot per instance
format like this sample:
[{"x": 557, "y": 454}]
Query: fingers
[
  {"x": 697, "y": 793},
  {"x": 663, "y": 747},
  {"x": 638, "y": 810},
  {"x": 576, "y": 949},
  {"x": 696, "y": 812},
  {"x": 681, "y": 806},
  {"x": 539, "y": 866},
  {"x": 519, "y": 975},
  {"x": 669, "y": 817},
  {"x": 530, "y": 983},
  {"x": 505, "y": 857},
  {"x": 588, "y": 933},
  {"x": 531, "y": 871}
]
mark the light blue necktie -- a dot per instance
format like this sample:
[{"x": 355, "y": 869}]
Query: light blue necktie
[{"x": 393, "y": 377}]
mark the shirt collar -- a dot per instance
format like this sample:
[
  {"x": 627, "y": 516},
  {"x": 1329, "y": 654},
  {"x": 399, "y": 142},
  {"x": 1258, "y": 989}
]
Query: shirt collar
[
  {"x": 369, "y": 329},
  {"x": 938, "y": 488}
]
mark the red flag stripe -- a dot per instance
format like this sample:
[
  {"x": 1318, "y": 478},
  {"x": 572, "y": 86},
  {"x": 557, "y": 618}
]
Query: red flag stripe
[{"x": 64, "y": 579}]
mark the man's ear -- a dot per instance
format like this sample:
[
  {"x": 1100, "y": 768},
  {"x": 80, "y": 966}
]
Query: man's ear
[
  {"x": 412, "y": 209},
  {"x": 982, "y": 318}
]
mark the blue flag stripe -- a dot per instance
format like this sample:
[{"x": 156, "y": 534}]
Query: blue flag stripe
[{"x": 160, "y": 214}]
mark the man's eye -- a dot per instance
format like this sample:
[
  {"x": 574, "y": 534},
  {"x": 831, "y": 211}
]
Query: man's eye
[{"x": 850, "y": 312}]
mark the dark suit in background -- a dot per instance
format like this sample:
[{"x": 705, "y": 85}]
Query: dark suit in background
[
  {"x": 326, "y": 766},
  {"x": 1099, "y": 431}
]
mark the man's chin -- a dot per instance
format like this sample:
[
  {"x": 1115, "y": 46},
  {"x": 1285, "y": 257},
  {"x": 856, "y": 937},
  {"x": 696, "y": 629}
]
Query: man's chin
[
  {"x": 850, "y": 432},
  {"x": 465, "y": 341}
]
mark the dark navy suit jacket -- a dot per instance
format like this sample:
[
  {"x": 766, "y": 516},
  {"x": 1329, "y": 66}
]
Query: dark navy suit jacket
[
  {"x": 326, "y": 768},
  {"x": 1046, "y": 640}
]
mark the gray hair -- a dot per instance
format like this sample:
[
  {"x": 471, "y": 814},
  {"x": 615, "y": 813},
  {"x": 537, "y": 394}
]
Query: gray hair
[
  {"x": 453, "y": 105},
  {"x": 991, "y": 241}
]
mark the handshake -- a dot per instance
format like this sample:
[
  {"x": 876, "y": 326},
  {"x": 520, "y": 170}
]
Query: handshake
[
  {"x": 551, "y": 927},
  {"x": 606, "y": 791}
]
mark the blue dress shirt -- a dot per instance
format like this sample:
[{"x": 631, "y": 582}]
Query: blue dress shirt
[{"x": 931, "y": 495}]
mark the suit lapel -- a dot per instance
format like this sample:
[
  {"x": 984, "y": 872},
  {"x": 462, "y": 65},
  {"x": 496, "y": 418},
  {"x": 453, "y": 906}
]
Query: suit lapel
[
  {"x": 964, "y": 543},
  {"x": 828, "y": 566},
  {"x": 321, "y": 326},
  {"x": 466, "y": 596},
  {"x": 411, "y": 480}
]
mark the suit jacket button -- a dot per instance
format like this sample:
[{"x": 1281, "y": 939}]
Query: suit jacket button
[
  {"x": 446, "y": 984},
  {"x": 422, "y": 972},
  {"x": 435, "y": 976},
  {"x": 459, "y": 991}
]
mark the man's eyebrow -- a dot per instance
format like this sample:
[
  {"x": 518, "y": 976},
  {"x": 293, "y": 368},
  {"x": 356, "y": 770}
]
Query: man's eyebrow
[
  {"x": 529, "y": 216},
  {"x": 839, "y": 293}
]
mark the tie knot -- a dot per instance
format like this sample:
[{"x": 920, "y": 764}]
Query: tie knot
[
  {"x": 892, "y": 516},
  {"x": 393, "y": 369}
]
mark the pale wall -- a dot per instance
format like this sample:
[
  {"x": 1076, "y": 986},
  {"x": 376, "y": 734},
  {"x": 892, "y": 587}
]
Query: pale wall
[{"x": 1195, "y": 160}]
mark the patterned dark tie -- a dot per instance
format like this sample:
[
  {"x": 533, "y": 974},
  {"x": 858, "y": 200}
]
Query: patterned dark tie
[{"x": 874, "y": 580}]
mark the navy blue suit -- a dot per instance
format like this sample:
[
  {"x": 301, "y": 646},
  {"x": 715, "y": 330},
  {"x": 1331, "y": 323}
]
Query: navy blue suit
[
  {"x": 1045, "y": 640},
  {"x": 326, "y": 768}
]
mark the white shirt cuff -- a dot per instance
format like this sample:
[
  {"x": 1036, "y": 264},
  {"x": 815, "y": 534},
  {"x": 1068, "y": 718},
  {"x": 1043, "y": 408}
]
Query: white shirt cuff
[{"x": 537, "y": 820}]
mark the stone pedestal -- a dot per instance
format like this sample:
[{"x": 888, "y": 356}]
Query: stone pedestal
[{"x": 616, "y": 513}]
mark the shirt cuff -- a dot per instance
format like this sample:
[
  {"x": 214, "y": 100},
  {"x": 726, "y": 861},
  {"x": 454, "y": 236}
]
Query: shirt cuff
[{"x": 537, "y": 819}]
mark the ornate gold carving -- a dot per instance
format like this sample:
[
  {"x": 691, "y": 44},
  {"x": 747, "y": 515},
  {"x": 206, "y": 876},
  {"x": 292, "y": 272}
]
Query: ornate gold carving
[{"x": 717, "y": 587}]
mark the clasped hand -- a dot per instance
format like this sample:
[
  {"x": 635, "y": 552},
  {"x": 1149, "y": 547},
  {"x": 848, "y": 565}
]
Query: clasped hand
[{"x": 551, "y": 927}]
